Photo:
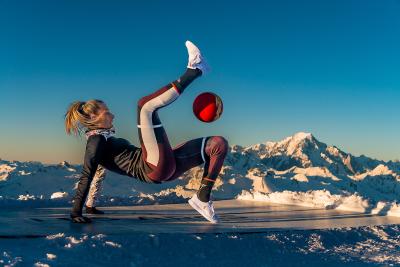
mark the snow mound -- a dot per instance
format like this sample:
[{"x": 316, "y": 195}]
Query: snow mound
[
  {"x": 51, "y": 256},
  {"x": 5, "y": 171},
  {"x": 59, "y": 195},
  {"x": 314, "y": 199}
]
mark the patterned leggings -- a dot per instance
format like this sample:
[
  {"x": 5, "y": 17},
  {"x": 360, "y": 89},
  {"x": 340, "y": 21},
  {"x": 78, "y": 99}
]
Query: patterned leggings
[{"x": 163, "y": 162}]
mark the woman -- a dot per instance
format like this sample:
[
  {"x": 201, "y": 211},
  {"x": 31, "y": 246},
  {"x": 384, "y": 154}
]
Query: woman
[{"x": 155, "y": 161}]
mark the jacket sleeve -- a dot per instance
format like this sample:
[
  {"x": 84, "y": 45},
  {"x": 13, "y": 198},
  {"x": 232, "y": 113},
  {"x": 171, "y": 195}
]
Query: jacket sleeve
[
  {"x": 94, "y": 152},
  {"x": 96, "y": 186}
]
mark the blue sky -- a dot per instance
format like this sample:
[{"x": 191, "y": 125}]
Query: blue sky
[{"x": 326, "y": 67}]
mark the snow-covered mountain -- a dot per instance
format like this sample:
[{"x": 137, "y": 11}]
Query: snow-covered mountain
[
  {"x": 299, "y": 169},
  {"x": 304, "y": 150}
]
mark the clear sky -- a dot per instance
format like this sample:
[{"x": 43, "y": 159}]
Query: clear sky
[{"x": 326, "y": 67}]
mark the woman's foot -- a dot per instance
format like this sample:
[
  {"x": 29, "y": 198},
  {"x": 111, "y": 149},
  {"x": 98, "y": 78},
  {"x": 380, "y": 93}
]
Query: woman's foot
[
  {"x": 204, "y": 208},
  {"x": 93, "y": 210},
  {"x": 196, "y": 59}
]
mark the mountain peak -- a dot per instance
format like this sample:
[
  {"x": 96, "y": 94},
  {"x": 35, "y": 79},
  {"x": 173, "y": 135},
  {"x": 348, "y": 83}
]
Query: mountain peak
[
  {"x": 302, "y": 135},
  {"x": 298, "y": 140},
  {"x": 299, "y": 143}
]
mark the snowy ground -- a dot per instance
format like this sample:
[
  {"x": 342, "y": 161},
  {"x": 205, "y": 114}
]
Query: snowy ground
[
  {"x": 175, "y": 235},
  {"x": 365, "y": 246}
]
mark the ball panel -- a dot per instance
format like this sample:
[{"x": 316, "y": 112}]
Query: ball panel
[{"x": 208, "y": 113}]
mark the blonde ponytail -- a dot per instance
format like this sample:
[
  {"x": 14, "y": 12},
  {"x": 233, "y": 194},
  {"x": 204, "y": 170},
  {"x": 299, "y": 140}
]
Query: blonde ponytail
[{"x": 78, "y": 117}]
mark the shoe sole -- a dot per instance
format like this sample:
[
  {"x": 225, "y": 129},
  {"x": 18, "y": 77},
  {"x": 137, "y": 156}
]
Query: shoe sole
[{"x": 200, "y": 210}]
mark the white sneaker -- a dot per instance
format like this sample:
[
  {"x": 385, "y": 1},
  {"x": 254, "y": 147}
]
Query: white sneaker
[
  {"x": 196, "y": 59},
  {"x": 204, "y": 208}
]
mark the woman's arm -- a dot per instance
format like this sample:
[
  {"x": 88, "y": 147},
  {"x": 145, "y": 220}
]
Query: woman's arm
[
  {"x": 96, "y": 186},
  {"x": 94, "y": 151}
]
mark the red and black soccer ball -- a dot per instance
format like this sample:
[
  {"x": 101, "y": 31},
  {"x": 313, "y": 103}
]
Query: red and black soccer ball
[{"x": 208, "y": 107}]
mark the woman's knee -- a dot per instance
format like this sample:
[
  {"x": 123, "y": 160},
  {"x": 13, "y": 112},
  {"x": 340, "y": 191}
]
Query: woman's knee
[
  {"x": 142, "y": 101},
  {"x": 218, "y": 145},
  {"x": 223, "y": 143}
]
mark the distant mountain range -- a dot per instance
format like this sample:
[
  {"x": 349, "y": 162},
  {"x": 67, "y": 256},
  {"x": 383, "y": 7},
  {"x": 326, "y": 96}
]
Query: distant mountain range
[{"x": 299, "y": 163}]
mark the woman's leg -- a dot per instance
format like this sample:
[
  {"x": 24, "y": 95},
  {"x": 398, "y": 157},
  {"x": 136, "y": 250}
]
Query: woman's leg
[
  {"x": 157, "y": 151},
  {"x": 208, "y": 150}
]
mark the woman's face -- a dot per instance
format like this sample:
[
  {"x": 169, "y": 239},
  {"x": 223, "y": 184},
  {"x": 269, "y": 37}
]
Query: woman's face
[{"x": 104, "y": 118}]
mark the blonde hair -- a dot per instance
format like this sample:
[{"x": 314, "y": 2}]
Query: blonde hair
[{"x": 78, "y": 116}]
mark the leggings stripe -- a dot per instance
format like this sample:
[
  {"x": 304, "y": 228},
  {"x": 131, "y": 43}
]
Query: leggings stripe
[
  {"x": 202, "y": 149},
  {"x": 151, "y": 127}
]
